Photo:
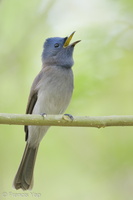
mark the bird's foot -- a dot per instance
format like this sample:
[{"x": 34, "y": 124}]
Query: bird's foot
[
  {"x": 68, "y": 117},
  {"x": 43, "y": 115}
]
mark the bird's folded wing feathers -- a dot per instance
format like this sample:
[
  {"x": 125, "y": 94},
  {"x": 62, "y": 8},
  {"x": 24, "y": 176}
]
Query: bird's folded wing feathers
[{"x": 32, "y": 100}]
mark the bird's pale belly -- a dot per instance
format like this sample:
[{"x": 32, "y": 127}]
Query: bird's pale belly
[{"x": 54, "y": 95}]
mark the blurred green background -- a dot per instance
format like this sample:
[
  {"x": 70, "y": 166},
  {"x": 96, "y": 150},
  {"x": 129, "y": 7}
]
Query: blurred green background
[{"x": 72, "y": 163}]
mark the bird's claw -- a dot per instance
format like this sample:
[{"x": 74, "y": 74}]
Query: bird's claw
[
  {"x": 68, "y": 117},
  {"x": 43, "y": 115}
]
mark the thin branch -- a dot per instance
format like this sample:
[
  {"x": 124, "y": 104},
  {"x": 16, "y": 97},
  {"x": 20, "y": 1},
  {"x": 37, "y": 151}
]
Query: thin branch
[{"x": 63, "y": 120}]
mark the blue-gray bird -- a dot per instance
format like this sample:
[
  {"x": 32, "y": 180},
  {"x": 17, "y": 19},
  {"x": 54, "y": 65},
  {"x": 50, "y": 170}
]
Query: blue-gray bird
[{"x": 50, "y": 93}]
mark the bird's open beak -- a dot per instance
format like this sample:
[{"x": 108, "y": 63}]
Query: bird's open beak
[{"x": 68, "y": 40}]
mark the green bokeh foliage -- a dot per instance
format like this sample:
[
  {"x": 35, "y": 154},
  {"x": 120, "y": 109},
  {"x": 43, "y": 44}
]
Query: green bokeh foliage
[{"x": 73, "y": 163}]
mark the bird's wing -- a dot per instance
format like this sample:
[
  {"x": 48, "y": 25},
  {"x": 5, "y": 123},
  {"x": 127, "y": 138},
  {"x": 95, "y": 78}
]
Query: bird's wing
[{"x": 32, "y": 100}]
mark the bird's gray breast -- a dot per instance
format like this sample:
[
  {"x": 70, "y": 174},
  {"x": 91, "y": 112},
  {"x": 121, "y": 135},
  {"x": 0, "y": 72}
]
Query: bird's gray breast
[{"x": 54, "y": 90}]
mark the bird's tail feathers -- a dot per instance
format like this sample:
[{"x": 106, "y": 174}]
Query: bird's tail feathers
[{"x": 24, "y": 176}]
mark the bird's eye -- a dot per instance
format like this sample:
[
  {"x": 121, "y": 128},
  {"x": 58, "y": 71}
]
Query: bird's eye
[{"x": 56, "y": 45}]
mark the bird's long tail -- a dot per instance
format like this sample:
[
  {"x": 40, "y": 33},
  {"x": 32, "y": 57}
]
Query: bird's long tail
[{"x": 24, "y": 176}]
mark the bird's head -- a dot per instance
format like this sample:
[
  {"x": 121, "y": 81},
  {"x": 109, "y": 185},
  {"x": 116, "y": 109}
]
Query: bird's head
[{"x": 58, "y": 51}]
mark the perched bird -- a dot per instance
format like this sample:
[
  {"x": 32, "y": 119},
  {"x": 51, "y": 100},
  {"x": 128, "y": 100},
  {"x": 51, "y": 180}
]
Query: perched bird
[{"x": 50, "y": 93}]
